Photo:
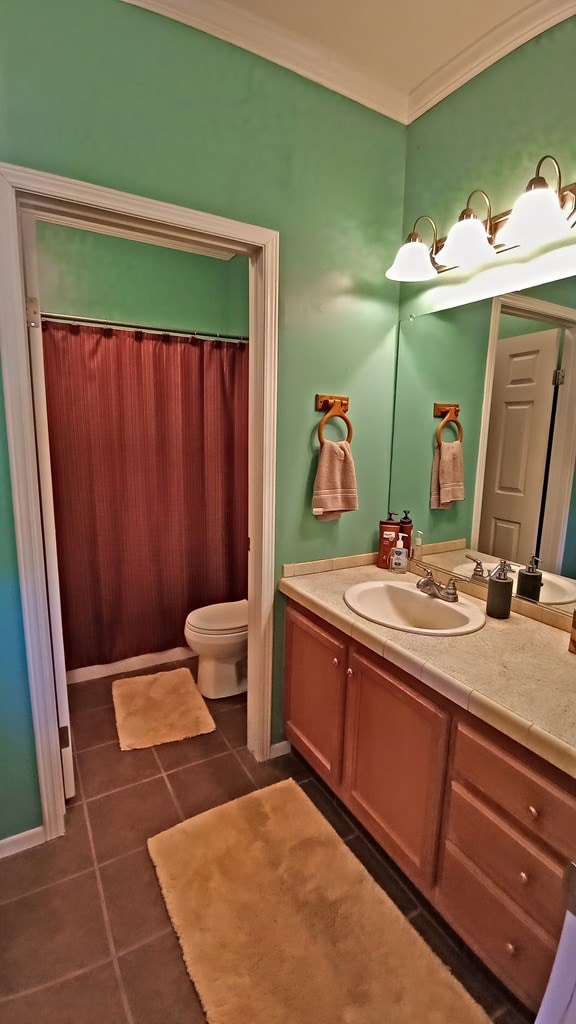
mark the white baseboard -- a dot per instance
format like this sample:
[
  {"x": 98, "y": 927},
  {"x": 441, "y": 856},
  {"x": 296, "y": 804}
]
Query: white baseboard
[
  {"x": 83, "y": 675},
  {"x": 279, "y": 749},
  {"x": 23, "y": 841}
]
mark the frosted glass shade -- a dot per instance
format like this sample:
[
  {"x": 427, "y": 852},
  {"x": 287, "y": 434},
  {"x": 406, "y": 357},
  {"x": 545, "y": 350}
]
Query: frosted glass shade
[
  {"x": 536, "y": 218},
  {"x": 466, "y": 246},
  {"x": 412, "y": 263}
]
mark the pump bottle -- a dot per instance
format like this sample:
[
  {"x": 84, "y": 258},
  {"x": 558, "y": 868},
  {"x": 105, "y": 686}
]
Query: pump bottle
[
  {"x": 530, "y": 581},
  {"x": 499, "y": 601},
  {"x": 399, "y": 556}
]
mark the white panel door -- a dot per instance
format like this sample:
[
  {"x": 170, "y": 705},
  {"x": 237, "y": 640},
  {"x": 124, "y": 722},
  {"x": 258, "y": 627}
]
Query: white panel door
[{"x": 520, "y": 414}]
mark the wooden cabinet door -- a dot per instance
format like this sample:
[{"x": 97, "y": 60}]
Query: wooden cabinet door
[
  {"x": 395, "y": 764},
  {"x": 314, "y": 694}
]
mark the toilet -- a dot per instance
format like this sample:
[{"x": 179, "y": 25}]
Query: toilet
[{"x": 218, "y": 634}]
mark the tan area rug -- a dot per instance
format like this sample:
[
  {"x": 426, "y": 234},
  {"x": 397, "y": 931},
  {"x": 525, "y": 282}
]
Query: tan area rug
[
  {"x": 280, "y": 924},
  {"x": 159, "y": 708}
]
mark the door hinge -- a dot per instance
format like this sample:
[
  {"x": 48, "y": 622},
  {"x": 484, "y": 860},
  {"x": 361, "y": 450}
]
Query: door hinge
[
  {"x": 558, "y": 377},
  {"x": 32, "y": 312},
  {"x": 64, "y": 736},
  {"x": 248, "y": 543}
]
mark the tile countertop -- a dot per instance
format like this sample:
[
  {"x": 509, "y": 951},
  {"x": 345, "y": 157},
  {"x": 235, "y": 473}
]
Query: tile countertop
[{"x": 516, "y": 674}]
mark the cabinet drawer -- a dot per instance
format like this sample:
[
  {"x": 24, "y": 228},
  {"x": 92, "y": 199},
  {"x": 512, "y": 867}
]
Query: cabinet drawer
[
  {"x": 541, "y": 807},
  {"x": 531, "y": 878},
  {"x": 516, "y": 949}
]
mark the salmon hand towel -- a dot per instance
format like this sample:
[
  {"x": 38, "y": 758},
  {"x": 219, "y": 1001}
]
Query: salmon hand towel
[
  {"x": 447, "y": 475},
  {"x": 335, "y": 483}
]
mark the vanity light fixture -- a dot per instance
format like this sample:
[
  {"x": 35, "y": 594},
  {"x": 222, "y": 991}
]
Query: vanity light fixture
[
  {"x": 540, "y": 214},
  {"x": 468, "y": 244},
  {"x": 415, "y": 260}
]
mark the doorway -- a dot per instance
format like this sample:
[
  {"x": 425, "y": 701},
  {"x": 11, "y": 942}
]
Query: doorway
[
  {"x": 25, "y": 197},
  {"x": 527, "y": 450}
]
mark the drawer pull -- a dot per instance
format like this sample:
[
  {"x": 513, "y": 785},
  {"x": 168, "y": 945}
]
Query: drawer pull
[
  {"x": 348, "y": 671},
  {"x": 511, "y": 949},
  {"x": 524, "y": 878},
  {"x": 335, "y": 661},
  {"x": 534, "y": 813}
]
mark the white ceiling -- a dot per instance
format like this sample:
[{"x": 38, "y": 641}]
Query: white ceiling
[{"x": 397, "y": 57}]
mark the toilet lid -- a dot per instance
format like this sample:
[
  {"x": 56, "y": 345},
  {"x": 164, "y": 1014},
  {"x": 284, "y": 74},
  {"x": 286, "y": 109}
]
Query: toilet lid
[{"x": 228, "y": 617}]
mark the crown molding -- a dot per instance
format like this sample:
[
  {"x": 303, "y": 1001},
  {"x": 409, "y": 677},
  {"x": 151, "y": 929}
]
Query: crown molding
[
  {"x": 218, "y": 18},
  {"x": 491, "y": 47},
  {"x": 261, "y": 36}
]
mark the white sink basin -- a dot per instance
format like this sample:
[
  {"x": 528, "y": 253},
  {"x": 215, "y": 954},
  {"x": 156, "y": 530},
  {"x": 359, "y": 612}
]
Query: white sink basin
[
  {"x": 555, "y": 589},
  {"x": 402, "y": 606}
]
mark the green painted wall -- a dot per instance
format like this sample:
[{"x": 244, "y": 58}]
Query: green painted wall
[
  {"x": 19, "y": 796},
  {"x": 441, "y": 358},
  {"x": 153, "y": 107},
  {"x": 87, "y": 274}
]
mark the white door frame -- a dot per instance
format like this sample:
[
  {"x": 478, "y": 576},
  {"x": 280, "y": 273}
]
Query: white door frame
[
  {"x": 564, "y": 457},
  {"x": 78, "y": 203}
]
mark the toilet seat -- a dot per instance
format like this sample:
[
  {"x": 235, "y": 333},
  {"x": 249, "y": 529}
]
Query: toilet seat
[{"x": 229, "y": 617}]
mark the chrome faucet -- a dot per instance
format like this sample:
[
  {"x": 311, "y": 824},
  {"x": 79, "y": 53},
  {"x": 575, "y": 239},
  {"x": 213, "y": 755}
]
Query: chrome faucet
[
  {"x": 478, "y": 573},
  {"x": 428, "y": 585}
]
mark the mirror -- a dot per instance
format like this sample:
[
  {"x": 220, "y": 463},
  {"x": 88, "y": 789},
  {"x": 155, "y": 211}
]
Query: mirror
[{"x": 496, "y": 358}]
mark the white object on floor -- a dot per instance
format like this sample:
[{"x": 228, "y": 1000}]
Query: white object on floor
[
  {"x": 218, "y": 634},
  {"x": 90, "y": 672},
  {"x": 559, "y": 1002}
]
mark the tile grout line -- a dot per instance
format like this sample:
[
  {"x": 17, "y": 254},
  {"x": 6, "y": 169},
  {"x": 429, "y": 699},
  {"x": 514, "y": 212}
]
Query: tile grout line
[
  {"x": 164, "y": 775},
  {"x": 107, "y": 926},
  {"x": 55, "y": 981},
  {"x": 42, "y": 888},
  {"x": 151, "y": 938}
]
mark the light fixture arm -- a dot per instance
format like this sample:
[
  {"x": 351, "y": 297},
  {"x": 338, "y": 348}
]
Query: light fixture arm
[
  {"x": 415, "y": 237},
  {"x": 539, "y": 181}
]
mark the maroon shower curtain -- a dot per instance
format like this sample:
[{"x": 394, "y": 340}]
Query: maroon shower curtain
[{"x": 148, "y": 442}]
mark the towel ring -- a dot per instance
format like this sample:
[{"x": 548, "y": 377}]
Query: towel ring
[
  {"x": 450, "y": 417},
  {"x": 335, "y": 410}
]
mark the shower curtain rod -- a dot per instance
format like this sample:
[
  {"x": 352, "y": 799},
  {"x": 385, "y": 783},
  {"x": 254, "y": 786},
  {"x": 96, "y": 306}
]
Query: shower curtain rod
[{"x": 95, "y": 322}]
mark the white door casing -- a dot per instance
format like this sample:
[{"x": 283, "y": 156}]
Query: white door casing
[
  {"x": 32, "y": 286},
  {"x": 520, "y": 415},
  {"x": 65, "y": 201}
]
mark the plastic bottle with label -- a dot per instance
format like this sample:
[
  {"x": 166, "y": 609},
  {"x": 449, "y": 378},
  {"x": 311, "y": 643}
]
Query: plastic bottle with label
[{"x": 399, "y": 556}]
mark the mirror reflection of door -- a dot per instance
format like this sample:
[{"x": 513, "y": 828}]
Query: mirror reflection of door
[{"x": 521, "y": 417}]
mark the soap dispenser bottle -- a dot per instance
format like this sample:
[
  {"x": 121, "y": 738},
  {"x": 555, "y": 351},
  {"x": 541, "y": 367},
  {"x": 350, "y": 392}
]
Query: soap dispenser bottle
[
  {"x": 399, "y": 556},
  {"x": 530, "y": 580},
  {"x": 500, "y": 587}
]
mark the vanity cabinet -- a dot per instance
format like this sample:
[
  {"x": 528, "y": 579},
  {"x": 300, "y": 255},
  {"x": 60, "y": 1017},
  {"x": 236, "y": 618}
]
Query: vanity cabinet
[
  {"x": 381, "y": 746},
  {"x": 315, "y": 674},
  {"x": 481, "y": 825},
  {"x": 509, "y": 830},
  {"x": 396, "y": 744}
]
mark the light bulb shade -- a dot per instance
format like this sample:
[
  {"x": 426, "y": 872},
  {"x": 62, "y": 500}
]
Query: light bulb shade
[
  {"x": 466, "y": 246},
  {"x": 536, "y": 218},
  {"x": 412, "y": 263}
]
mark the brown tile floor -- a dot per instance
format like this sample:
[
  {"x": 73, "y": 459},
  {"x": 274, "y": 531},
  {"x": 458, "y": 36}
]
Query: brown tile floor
[{"x": 84, "y": 934}]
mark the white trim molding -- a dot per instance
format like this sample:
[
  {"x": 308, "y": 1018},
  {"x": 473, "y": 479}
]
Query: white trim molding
[
  {"x": 63, "y": 200},
  {"x": 520, "y": 28},
  {"x": 278, "y": 45},
  {"x": 22, "y": 841},
  {"x": 273, "y": 42},
  {"x": 280, "y": 749}
]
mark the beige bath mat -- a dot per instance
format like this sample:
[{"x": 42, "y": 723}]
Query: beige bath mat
[
  {"x": 159, "y": 708},
  {"x": 279, "y": 923}
]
